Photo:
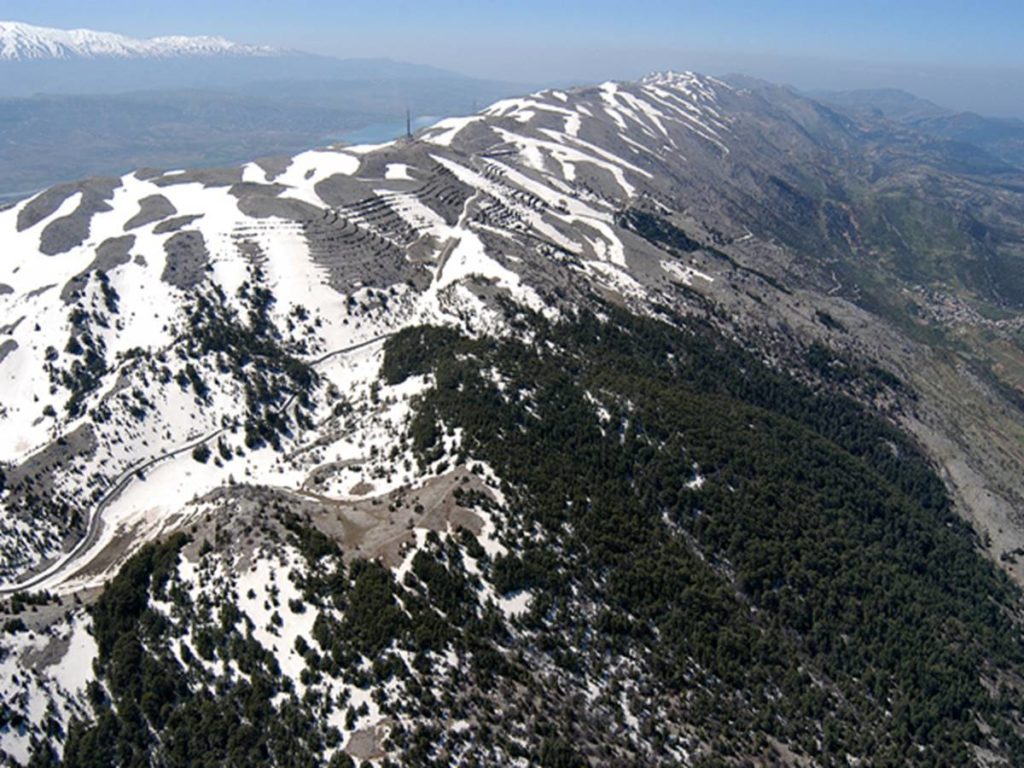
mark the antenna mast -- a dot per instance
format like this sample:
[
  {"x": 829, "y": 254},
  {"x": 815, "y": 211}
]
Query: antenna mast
[{"x": 408, "y": 123}]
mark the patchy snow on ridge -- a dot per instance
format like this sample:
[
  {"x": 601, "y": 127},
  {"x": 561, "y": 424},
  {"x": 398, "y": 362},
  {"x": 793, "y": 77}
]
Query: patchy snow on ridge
[{"x": 444, "y": 132}]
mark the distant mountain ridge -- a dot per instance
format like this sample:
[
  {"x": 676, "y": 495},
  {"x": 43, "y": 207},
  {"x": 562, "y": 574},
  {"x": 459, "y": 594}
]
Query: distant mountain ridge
[
  {"x": 39, "y": 60},
  {"x": 83, "y": 103},
  {"x": 1002, "y": 137},
  {"x": 26, "y": 42},
  {"x": 892, "y": 103}
]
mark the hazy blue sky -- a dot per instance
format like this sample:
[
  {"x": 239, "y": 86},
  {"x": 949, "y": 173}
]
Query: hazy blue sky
[{"x": 965, "y": 54}]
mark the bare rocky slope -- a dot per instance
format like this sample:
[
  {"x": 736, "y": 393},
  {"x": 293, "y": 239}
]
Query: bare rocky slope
[{"x": 665, "y": 422}]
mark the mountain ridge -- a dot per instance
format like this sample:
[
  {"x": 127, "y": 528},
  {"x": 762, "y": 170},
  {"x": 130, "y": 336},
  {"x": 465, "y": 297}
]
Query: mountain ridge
[
  {"x": 63, "y": 216},
  {"x": 623, "y": 424},
  {"x": 1001, "y": 137},
  {"x": 26, "y": 42}
]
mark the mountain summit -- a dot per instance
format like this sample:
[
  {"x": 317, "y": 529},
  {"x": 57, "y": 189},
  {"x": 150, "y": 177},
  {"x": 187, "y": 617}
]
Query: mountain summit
[{"x": 25, "y": 42}]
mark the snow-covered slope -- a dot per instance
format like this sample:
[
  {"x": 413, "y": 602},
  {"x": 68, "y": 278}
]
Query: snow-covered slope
[
  {"x": 144, "y": 316},
  {"x": 203, "y": 351},
  {"x": 120, "y": 298},
  {"x": 25, "y": 42}
]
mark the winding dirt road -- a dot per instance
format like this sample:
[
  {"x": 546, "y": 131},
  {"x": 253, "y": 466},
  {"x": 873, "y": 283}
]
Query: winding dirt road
[{"x": 67, "y": 563}]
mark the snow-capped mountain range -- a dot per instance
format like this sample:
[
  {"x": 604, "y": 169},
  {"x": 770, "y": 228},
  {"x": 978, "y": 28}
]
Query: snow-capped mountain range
[{"x": 25, "y": 42}]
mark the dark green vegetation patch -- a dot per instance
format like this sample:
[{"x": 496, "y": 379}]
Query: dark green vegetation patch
[
  {"x": 756, "y": 567},
  {"x": 816, "y": 588}
]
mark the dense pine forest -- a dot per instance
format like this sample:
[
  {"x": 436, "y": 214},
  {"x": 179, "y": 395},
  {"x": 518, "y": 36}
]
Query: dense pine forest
[{"x": 779, "y": 572}]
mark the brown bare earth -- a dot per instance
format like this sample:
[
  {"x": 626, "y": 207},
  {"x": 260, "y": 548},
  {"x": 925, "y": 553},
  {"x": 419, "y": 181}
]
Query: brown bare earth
[{"x": 381, "y": 528}]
